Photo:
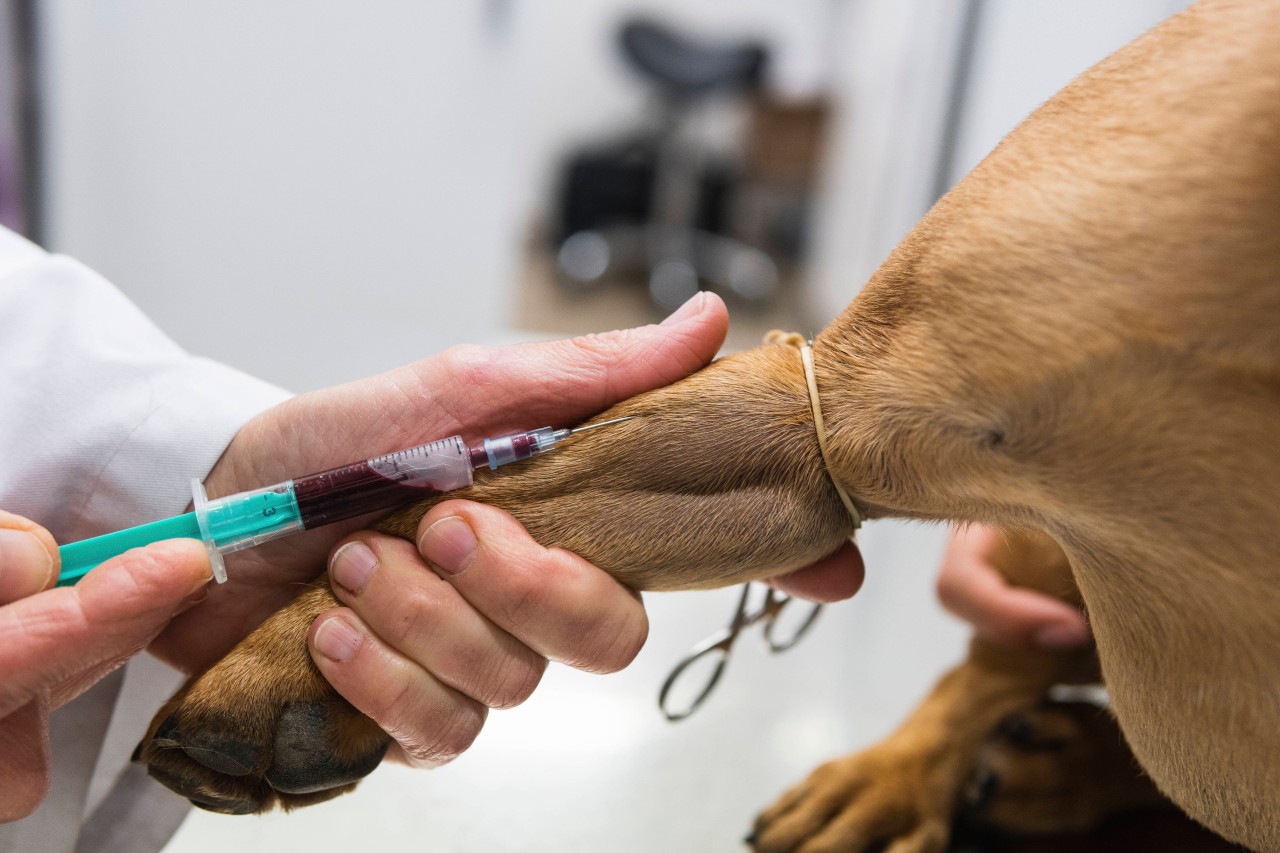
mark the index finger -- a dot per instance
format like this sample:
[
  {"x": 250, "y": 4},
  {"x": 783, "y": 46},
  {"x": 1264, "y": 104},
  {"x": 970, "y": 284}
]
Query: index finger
[
  {"x": 58, "y": 636},
  {"x": 835, "y": 577},
  {"x": 552, "y": 600}
]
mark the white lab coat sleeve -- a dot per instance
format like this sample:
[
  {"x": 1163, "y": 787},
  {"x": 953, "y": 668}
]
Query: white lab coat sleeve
[
  {"x": 103, "y": 419},
  {"x": 103, "y": 422}
]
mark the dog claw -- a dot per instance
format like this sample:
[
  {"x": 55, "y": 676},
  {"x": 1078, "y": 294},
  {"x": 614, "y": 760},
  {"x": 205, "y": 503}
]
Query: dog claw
[
  {"x": 227, "y": 807},
  {"x": 213, "y": 749},
  {"x": 246, "y": 801}
]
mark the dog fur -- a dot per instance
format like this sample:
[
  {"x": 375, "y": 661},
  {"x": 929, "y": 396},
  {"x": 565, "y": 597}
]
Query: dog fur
[{"x": 1081, "y": 339}]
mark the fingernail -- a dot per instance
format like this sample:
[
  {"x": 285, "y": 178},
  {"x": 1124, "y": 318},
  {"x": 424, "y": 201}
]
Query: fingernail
[
  {"x": 1062, "y": 636},
  {"x": 352, "y": 565},
  {"x": 449, "y": 544},
  {"x": 25, "y": 564},
  {"x": 689, "y": 309},
  {"x": 337, "y": 639},
  {"x": 198, "y": 595}
]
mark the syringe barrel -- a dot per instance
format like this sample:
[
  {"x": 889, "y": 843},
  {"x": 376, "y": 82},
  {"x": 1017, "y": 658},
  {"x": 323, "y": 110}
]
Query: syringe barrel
[
  {"x": 250, "y": 518},
  {"x": 243, "y": 520},
  {"x": 383, "y": 482}
]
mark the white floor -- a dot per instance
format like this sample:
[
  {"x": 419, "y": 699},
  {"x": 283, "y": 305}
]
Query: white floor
[{"x": 588, "y": 764}]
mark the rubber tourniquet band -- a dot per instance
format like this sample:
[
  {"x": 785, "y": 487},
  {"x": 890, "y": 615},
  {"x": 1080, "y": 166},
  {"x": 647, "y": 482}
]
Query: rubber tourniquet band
[{"x": 797, "y": 340}]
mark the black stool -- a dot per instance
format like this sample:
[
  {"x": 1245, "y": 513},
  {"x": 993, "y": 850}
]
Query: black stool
[{"x": 669, "y": 247}]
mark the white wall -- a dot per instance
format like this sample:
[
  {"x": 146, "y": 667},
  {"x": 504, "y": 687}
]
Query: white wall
[
  {"x": 317, "y": 191},
  {"x": 309, "y": 191},
  {"x": 890, "y": 89}
]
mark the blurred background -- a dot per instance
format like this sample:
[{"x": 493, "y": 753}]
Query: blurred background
[{"x": 317, "y": 192}]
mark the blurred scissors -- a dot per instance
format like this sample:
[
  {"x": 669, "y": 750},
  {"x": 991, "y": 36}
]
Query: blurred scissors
[{"x": 714, "y": 651}]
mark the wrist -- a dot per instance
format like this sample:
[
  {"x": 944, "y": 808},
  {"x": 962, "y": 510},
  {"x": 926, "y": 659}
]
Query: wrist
[{"x": 249, "y": 459}]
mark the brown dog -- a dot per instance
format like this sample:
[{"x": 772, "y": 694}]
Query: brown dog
[{"x": 1082, "y": 338}]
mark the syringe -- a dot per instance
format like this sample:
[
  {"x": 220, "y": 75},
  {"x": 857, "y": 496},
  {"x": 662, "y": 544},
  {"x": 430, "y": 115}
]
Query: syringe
[{"x": 250, "y": 518}]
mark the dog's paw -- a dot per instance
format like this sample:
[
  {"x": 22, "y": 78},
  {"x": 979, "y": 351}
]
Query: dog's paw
[
  {"x": 1059, "y": 767},
  {"x": 262, "y": 727},
  {"x": 884, "y": 799}
]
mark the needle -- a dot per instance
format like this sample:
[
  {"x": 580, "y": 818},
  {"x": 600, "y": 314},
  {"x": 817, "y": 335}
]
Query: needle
[{"x": 602, "y": 423}]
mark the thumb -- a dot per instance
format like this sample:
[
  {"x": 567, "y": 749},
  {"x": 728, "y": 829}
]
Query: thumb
[
  {"x": 28, "y": 558},
  {"x": 602, "y": 369},
  {"x": 568, "y": 380}
]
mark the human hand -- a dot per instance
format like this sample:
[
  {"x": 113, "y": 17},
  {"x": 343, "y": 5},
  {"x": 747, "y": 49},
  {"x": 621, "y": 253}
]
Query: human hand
[
  {"x": 835, "y": 577},
  {"x": 464, "y": 622},
  {"x": 971, "y": 587},
  {"x": 56, "y": 643},
  {"x": 470, "y": 390},
  {"x": 424, "y": 653}
]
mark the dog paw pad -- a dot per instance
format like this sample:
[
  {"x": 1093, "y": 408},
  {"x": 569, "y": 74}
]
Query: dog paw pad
[{"x": 304, "y": 762}]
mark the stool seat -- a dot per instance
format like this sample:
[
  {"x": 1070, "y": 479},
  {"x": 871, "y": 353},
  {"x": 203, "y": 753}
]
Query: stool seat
[{"x": 684, "y": 68}]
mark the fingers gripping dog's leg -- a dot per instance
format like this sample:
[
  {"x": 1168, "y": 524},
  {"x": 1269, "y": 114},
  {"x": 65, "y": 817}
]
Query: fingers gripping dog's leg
[{"x": 718, "y": 479}]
